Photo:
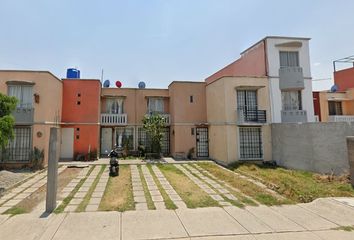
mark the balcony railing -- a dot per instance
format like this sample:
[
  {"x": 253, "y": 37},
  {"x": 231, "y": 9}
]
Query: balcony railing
[
  {"x": 291, "y": 78},
  {"x": 165, "y": 116},
  {"x": 293, "y": 116},
  {"x": 111, "y": 119},
  {"x": 251, "y": 116},
  {"x": 23, "y": 115},
  {"x": 341, "y": 118}
]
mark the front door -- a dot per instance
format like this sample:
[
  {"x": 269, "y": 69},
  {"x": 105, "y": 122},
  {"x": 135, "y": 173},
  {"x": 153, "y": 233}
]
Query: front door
[
  {"x": 67, "y": 143},
  {"x": 106, "y": 140},
  {"x": 202, "y": 142}
]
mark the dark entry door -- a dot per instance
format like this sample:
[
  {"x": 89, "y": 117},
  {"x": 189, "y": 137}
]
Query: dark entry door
[{"x": 202, "y": 142}]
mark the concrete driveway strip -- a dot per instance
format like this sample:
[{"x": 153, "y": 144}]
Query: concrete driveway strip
[
  {"x": 25, "y": 226},
  {"x": 247, "y": 220},
  {"x": 289, "y": 236},
  {"x": 304, "y": 218},
  {"x": 335, "y": 212},
  {"x": 208, "y": 222},
  {"x": 335, "y": 234},
  {"x": 3, "y": 218},
  {"x": 158, "y": 224},
  {"x": 89, "y": 225},
  {"x": 274, "y": 220},
  {"x": 238, "y": 237}
]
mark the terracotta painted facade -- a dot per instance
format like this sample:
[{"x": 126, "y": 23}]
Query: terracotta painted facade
[
  {"x": 336, "y": 106},
  {"x": 81, "y": 112},
  {"x": 344, "y": 79}
]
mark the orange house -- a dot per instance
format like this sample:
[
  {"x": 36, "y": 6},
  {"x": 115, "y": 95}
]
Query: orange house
[{"x": 80, "y": 119}]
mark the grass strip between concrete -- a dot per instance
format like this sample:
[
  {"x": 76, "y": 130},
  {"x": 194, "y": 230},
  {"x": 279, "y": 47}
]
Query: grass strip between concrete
[
  {"x": 191, "y": 194},
  {"x": 67, "y": 200},
  {"x": 246, "y": 187},
  {"x": 82, "y": 206},
  {"x": 167, "y": 200},
  {"x": 233, "y": 202},
  {"x": 150, "y": 203},
  {"x": 118, "y": 195}
]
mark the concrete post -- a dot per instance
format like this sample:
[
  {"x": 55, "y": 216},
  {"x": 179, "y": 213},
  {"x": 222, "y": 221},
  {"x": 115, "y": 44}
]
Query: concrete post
[
  {"x": 52, "y": 177},
  {"x": 350, "y": 147}
]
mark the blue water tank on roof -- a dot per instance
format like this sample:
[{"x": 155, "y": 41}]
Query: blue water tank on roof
[{"x": 72, "y": 73}]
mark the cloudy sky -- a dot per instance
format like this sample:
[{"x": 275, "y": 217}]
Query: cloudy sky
[{"x": 158, "y": 41}]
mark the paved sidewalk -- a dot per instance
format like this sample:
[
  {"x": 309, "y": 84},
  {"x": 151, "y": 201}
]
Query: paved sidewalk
[{"x": 314, "y": 221}]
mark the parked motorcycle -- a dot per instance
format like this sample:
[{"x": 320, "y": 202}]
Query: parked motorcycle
[{"x": 113, "y": 162}]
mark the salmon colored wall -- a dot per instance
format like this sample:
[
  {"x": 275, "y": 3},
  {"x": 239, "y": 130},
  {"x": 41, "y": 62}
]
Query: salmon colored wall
[
  {"x": 186, "y": 115},
  {"x": 182, "y": 110},
  {"x": 89, "y": 109},
  {"x": 344, "y": 79},
  {"x": 47, "y": 112},
  {"x": 251, "y": 63}
]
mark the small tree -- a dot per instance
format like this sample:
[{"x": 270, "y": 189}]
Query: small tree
[
  {"x": 153, "y": 125},
  {"x": 7, "y": 121}
]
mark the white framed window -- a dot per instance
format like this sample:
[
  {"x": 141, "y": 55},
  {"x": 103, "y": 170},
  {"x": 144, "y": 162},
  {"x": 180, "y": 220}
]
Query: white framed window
[
  {"x": 291, "y": 100},
  {"x": 155, "y": 105},
  {"x": 289, "y": 59},
  {"x": 23, "y": 93},
  {"x": 115, "y": 105}
]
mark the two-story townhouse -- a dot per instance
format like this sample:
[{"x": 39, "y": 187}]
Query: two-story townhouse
[
  {"x": 38, "y": 109},
  {"x": 269, "y": 83},
  {"x": 189, "y": 129},
  {"x": 122, "y": 112}
]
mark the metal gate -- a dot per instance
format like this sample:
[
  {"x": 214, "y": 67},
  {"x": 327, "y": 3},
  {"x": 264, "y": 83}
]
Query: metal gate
[
  {"x": 202, "y": 142},
  {"x": 20, "y": 147}
]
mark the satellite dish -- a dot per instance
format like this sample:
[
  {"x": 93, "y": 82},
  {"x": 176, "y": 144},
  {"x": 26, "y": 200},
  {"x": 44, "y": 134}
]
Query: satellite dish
[
  {"x": 106, "y": 84},
  {"x": 118, "y": 84},
  {"x": 334, "y": 88},
  {"x": 141, "y": 85}
]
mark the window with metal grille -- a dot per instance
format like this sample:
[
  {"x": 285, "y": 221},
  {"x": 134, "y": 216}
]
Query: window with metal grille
[
  {"x": 251, "y": 143},
  {"x": 125, "y": 137},
  {"x": 289, "y": 59},
  {"x": 145, "y": 140},
  {"x": 20, "y": 147},
  {"x": 335, "y": 108}
]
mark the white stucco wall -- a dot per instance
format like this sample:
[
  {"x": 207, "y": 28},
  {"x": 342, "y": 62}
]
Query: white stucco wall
[{"x": 273, "y": 73}]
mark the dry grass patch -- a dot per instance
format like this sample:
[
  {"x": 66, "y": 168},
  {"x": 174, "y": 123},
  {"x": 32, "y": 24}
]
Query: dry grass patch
[
  {"x": 299, "y": 186},
  {"x": 167, "y": 200},
  {"x": 118, "y": 195},
  {"x": 29, "y": 203},
  {"x": 191, "y": 194},
  {"x": 246, "y": 187},
  {"x": 149, "y": 202}
]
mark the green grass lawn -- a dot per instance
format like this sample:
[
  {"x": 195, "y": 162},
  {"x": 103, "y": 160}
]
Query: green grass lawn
[{"x": 299, "y": 186}]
